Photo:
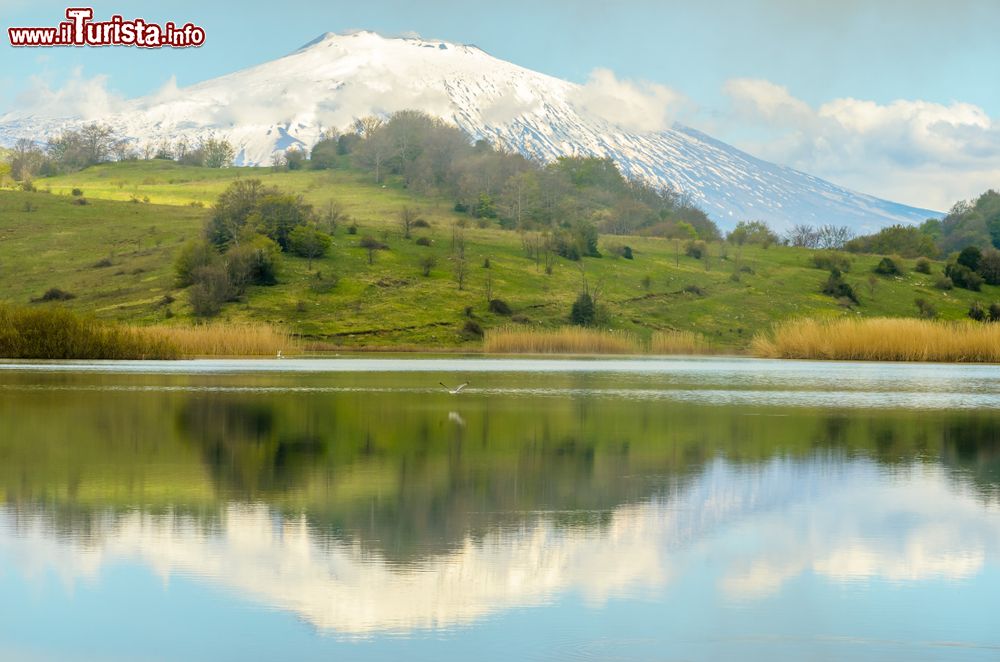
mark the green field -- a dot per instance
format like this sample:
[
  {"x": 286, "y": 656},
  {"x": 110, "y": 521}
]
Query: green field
[{"x": 116, "y": 254}]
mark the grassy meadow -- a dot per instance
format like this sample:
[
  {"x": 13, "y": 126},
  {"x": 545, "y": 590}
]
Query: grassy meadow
[{"x": 115, "y": 255}]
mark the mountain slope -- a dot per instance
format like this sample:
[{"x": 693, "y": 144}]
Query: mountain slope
[{"x": 336, "y": 78}]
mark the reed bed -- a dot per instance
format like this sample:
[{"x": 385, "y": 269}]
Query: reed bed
[
  {"x": 57, "y": 333},
  {"x": 564, "y": 340},
  {"x": 679, "y": 342},
  {"x": 222, "y": 339},
  {"x": 45, "y": 333},
  {"x": 882, "y": 339}
]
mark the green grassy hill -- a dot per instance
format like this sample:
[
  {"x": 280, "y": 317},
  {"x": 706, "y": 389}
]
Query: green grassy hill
[{"x": 116, "y": 254}]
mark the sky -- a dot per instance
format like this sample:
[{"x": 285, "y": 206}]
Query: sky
[{"x": 895, "y": 98}]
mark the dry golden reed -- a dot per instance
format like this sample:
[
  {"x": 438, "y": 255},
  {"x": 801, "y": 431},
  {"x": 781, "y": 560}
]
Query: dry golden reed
[
  {"x": 222, "y": 339},
  {"x": 881, "y": 339},
  {"x": 679, "y": 342},
  {"x": 564, "y": 340}
]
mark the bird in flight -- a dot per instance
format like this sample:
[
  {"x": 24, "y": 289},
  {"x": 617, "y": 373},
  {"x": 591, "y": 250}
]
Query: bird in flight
[{"x": 457, "y": 389}]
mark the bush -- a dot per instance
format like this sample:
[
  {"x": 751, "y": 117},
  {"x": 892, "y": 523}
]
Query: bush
[
  {"x": 192, "y": 256},
  {"x": 696, "y": 249},
  {"x": 210, "y": 289},
  {"x": 830, "y": 260},
  {"x": 76, "y": 193},
  {"x": 695, "y": 290},
  {"x": 80, "y": 201},
  {"x": 584, "y": 312},
  {"x": 472, "y": 329},
  {"x": 970, "y": 257},
  {"x": 944, "y": 283},
  {"x": 423, "y": 241},
  {"x": 307, "y": 241},
  {"x": 977, "y": 312},
  {"x": 923, "y": 266},
  {"x": 372, "y": 243},
  {"x": 500, "y": 307},
  {"x": 838, "y": 288},
  {"x": 427, "y": 263},
  {"x": 962, "y": 276},
  {"x": 989, "y": 266},
  {"x": 887, "y": 267},
  {"x": 995, "y": 312},
  {"x": 421, "y": 223},
  {"x": 252, "y": 262},
  {"x": 925, "y": 309},
  {"x": 102, "y": 263},
  {"x": 352, "y": 228},
  {"x": 54, "y": 294}
]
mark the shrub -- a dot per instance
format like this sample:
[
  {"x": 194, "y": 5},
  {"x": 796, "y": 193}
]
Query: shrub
[
  {"x": 210, "y": 289},
  {"x": 500, "y": 307},
  {"x": 423, "y": 241},
  {"x": 473, "y": 329},
  {"x": 307, "y": 241},
  {"x": 696, "y": 249},
  {"x": 970, "y": 257},
  {"x": 252, "y": 262},
  {"x": 964, "y": 277},
  {"x": 76, "y": 193},
  {"x": 421, "y": 223},
  {"x": 695, "y": 290},
  {"x": 352, "y": 228},
  {"x": 838, "y": 288},
  {"x": 944, "y": 283},
  {"x": 923, "y": 266},
  {"x": 427, "y": 263},
  {"x": 989, "y": 266},
  {"x": 102, "y": 263},
  {"x": 54, "y": 294},
  {"x": 192, "y": 256},
  {"x": 995, "y": 312},
  {"x": 584, "y": 312},
  {"x": 80, "y": 201},
  {"x": 925, "y": 309},
  {"x": 977, "y": 312},
  {"x": 887, "y": 267},
  {"x": 830, "y": 260}
]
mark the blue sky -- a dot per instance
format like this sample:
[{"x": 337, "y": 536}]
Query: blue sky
[{"x": 767, "y": 75}]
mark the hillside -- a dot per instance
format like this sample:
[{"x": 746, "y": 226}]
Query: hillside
[
  {"x": 335, "y": 79},
  {"x": 116, "y": 254}
]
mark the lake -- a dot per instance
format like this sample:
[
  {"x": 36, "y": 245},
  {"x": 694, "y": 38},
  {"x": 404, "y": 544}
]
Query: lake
[{"x": 353, "y": 509}]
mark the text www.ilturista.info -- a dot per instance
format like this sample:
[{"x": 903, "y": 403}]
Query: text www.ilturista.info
[{"x": 80, "y": 30}]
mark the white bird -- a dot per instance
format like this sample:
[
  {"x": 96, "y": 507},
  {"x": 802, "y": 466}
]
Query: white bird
[
  {"x": 457, "y": 389},
  {"x": 279, "y": 354}
]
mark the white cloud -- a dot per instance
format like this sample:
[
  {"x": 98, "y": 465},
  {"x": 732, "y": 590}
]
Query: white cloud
[
  {"x": 87, "y": 98},
  {"x": 634, "y": 106},
  {"x": 919, "y": 152}
]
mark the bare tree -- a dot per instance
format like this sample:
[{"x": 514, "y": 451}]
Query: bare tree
[
  {"x": 333, "y": 215},
  {"x": 461, "y": 268},
  {"x": 407, "y": 217}
]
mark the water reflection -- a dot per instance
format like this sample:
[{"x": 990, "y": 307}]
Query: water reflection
[{"x": 369, "y": 505}]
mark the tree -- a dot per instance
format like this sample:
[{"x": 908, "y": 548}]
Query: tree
[
  {"x": 460, "y": 270},
  {"x": 752, "y": 232},
  {"x": 26, "y": 160},
  {"x": 324, "y": 153},
  {"x": 407, "y": 217},
  {"x": 427, "y": 263},
  {"x": 583, "y": 312},
  {"x": 277, "y": 214},
  {"x": 308, "y": 242},
  {"x": 217, "y": 153},
  {"x": 371, "y": 244},
  {"x": 233, "y": 209}
]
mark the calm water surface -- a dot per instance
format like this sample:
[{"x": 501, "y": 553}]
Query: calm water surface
[{"x": 352, "y": 509}]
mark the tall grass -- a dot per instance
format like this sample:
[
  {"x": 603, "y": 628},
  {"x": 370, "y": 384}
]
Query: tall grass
[
  {"x": 564, "y": 340},
  {"x": 881, "y": 339},
  {"x": 55, "y": 333},
  {"x": 59, "y": 334},
  {"x": 222, "y": 339},
  {"x": 679, "y": 342}
]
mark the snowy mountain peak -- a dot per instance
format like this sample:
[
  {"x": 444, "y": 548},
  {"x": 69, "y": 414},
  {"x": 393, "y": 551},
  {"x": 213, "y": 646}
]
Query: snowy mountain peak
[{"x": 336, "y": 78}]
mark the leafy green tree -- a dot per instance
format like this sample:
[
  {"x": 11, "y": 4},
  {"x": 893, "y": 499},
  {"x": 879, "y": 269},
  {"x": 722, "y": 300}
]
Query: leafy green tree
[
  {"x": 308, "y": 242},
  {"x": 277, "y": 214},
  {"x": 583, "y": 312}
]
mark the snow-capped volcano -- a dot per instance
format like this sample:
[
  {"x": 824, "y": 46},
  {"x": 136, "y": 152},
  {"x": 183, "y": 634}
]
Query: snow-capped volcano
[{"x": 336, "y": 78}]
